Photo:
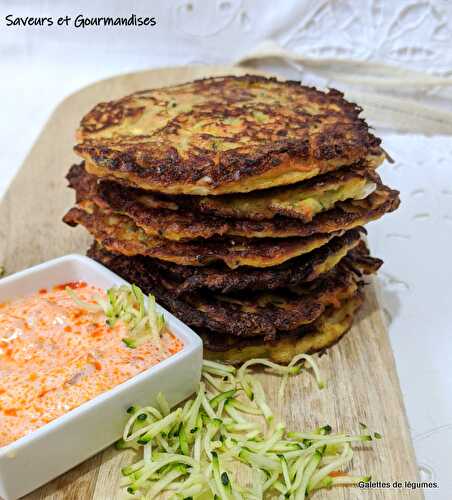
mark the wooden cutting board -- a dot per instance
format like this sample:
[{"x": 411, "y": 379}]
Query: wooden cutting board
[{"x": 362, "y": 380}]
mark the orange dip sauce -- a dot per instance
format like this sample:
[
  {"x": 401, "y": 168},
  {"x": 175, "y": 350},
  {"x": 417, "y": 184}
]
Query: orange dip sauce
[{"x": 55, "y": 356}]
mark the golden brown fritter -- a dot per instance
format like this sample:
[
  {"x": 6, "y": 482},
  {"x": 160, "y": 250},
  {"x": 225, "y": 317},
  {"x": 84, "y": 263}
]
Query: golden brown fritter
[
  {"x": 184, "y": 214},
  {"x": 165, "y": 223},
  {"x": 321, "y": 334},
  {"x": 246, "y": 314},
  {"x": 119, "y": 234},
  {"x": 303, "y": 200},
  {"x": 299, "y": 270},
  {"x": 224, "y": 135},
  {"x": 182, "y": 224},
  {"x": 266, "y": 313},
  {"x": 344, "y": 216},
  {"x": 219, "y": 278}
]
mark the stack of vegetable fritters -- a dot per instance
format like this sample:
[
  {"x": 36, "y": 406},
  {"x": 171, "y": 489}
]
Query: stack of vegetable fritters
[{"x": 239, "y": 203}]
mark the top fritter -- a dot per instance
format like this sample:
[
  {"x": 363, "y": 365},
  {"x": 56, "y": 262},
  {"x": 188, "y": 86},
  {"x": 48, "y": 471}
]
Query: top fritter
[{"x": 224, "y": 135}]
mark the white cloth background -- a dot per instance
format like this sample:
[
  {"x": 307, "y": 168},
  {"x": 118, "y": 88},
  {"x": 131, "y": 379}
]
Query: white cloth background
[
  {"x": 40, "y": 66},
  {"x": 363, "y": 47}
]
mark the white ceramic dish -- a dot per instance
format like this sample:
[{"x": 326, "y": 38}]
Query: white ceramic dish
[{"x": 65, "y": 442}]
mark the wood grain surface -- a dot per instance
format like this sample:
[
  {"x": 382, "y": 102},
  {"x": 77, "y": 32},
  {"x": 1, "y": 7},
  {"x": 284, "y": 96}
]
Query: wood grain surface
[{"x": 362, "y": 381}]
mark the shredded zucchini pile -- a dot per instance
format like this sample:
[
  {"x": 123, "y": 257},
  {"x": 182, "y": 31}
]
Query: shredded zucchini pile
[
  {"x": 191, "y": 452},
  {"x": 127, "y": 303}
]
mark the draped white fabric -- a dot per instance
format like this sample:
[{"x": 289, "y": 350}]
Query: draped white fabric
[{"x": 361, "y": 46}]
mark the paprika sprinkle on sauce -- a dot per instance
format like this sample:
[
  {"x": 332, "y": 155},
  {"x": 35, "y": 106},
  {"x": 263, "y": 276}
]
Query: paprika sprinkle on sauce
[{"x": 56, "y": 355}]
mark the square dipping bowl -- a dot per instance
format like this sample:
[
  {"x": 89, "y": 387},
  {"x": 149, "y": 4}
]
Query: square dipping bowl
[{"x": 58, "y": 446}]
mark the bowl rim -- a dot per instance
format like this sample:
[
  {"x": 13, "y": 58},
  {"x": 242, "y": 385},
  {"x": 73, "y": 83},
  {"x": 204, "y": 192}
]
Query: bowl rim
[{"x": 191, "y": 342}]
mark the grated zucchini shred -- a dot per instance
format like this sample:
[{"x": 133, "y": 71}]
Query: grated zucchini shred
[
  {"x": 128, "y": 304},
  {"x": 195, "y": 450}
]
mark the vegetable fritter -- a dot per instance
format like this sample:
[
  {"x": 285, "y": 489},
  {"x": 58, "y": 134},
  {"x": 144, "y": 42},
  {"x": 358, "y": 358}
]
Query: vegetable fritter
[{"x": 224, "y": 135}]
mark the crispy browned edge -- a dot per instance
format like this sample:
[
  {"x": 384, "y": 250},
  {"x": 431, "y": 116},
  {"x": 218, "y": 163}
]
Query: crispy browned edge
[
  {"x": 212, "y": 204},
  {"x": 321, "y": 150},
  {"x": 221, "y": 279},
  {"x": 180, "y": 226},
  {"x": 235, "y": 252},
  {"x": 185, "y": 224},
  {"x": 207, "y": 311},
  {"x": 318, "y": 337}
]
